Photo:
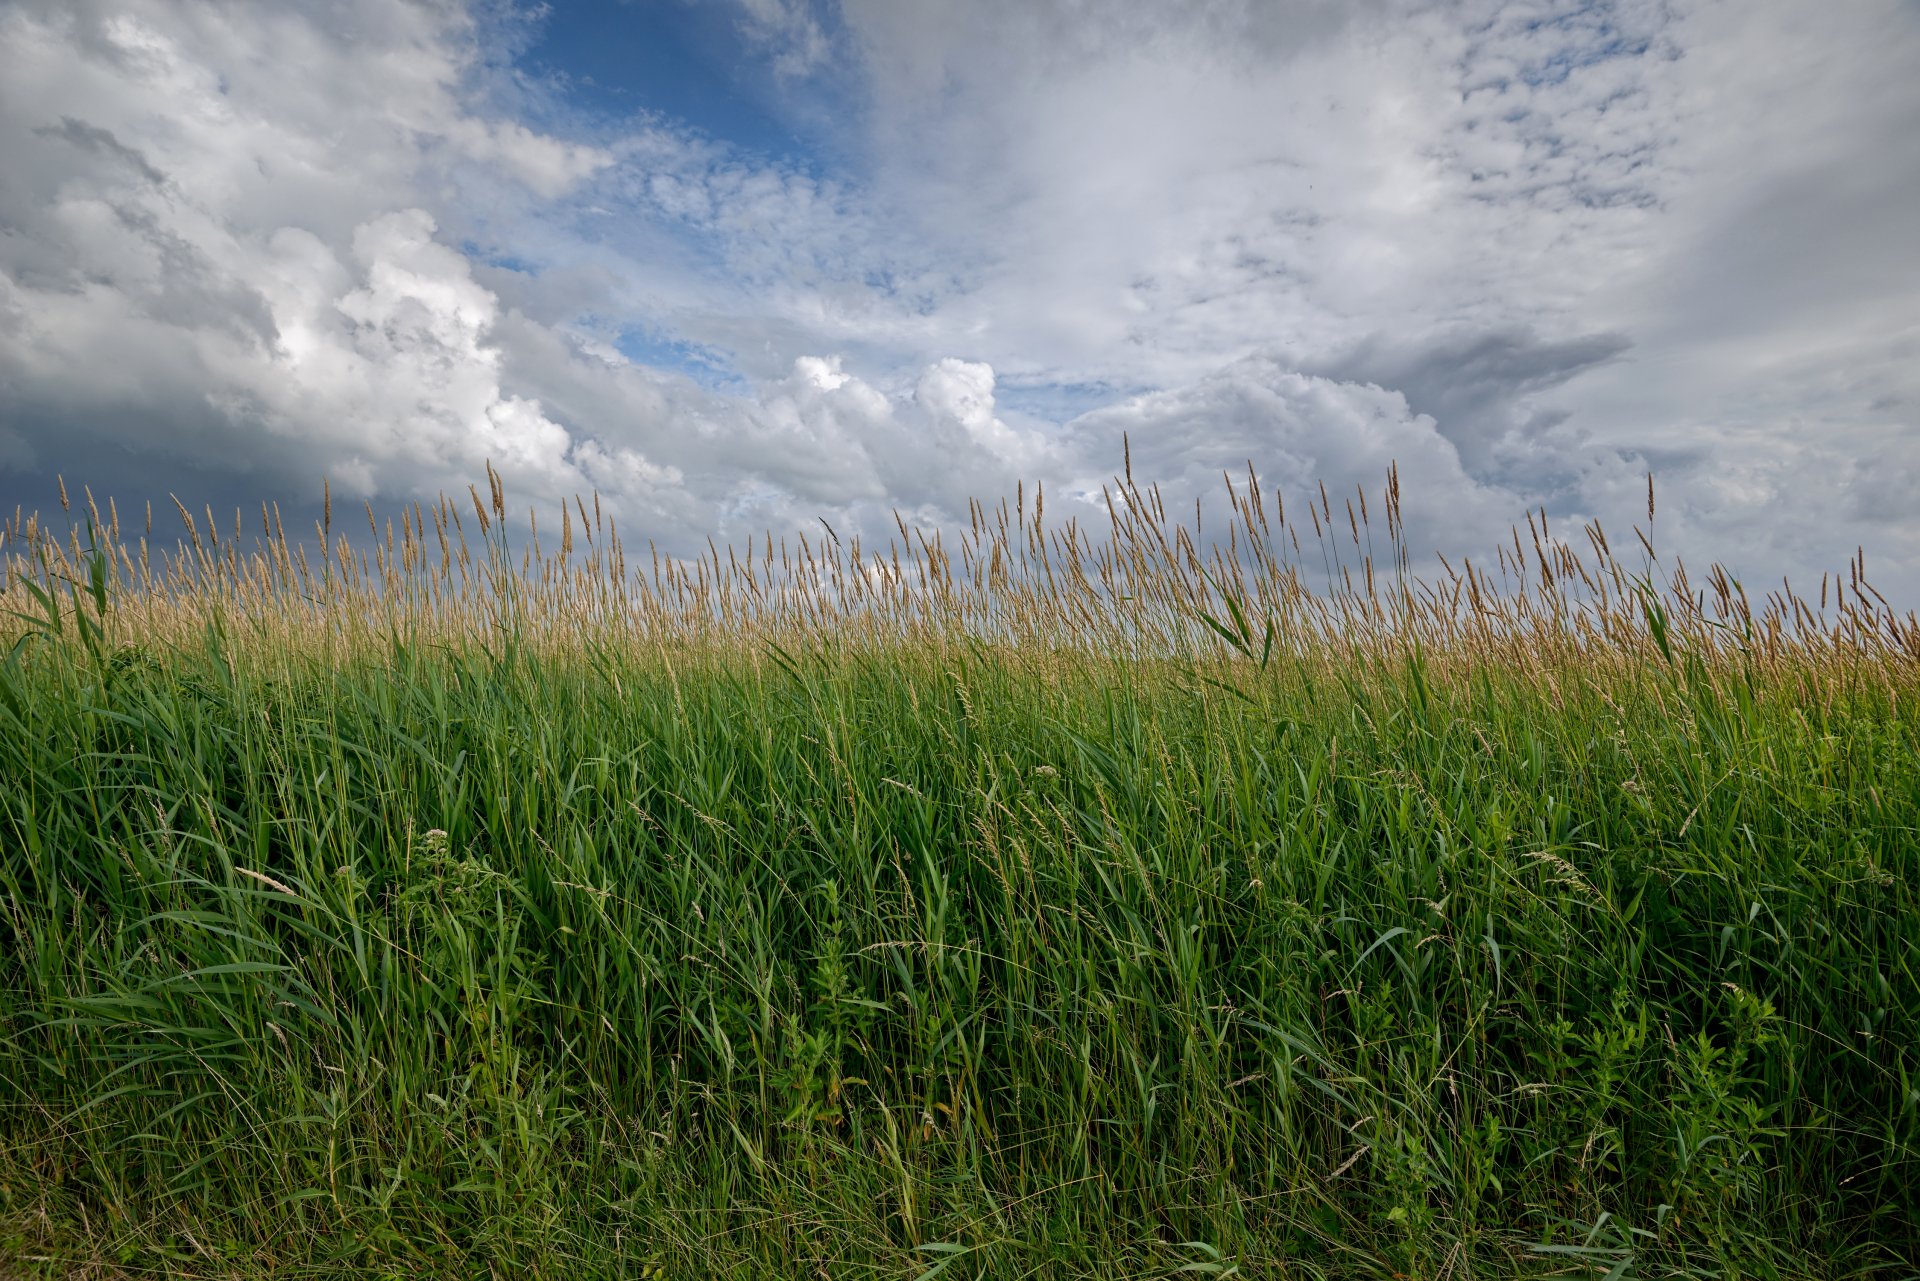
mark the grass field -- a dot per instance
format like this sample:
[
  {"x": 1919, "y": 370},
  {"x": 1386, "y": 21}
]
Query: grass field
[{"x": 1050, "y": 901}]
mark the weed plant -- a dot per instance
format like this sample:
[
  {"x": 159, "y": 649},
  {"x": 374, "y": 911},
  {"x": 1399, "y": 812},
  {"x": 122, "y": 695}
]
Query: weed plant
[{"x": 1032, "y": 905}]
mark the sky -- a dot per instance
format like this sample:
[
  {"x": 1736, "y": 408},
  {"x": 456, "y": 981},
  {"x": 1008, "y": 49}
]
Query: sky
[{"x": 737, "y": 265}]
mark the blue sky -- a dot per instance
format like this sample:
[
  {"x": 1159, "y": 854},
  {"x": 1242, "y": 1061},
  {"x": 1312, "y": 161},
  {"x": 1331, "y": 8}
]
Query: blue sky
[
  {"x": 690, "y": 62},
  {"x": 738, "y": 264}
]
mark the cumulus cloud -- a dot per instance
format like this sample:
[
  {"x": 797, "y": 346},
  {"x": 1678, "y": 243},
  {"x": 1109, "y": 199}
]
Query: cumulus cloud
[{"x": 215, "y": 253}]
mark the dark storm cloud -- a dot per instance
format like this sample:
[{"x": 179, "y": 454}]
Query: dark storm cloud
[
  {"x": 1479, "y": 388},
  {"x": 101, "y": 142}
]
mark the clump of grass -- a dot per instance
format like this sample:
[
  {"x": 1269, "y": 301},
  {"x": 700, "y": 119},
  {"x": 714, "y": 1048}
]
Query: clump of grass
[{"x": 1022, "y": 903}]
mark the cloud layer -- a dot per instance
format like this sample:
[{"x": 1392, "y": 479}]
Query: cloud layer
[{"x": 1527, "y": 250}]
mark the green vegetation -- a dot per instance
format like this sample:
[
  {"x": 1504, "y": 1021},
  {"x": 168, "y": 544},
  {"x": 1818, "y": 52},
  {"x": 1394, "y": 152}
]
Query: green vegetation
[{"x": 911, "y": 930}]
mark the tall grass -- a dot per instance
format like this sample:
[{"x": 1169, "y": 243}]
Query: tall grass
[{"x": 1038, "y": 901}]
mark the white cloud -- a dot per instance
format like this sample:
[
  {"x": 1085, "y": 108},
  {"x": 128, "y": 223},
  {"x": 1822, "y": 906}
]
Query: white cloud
[
  {"x": 549, "y": 167},
  {"x": 1687, "y": 220},
  {"x": 216, "y": 248},
  {"x": 786, "y": 25}
]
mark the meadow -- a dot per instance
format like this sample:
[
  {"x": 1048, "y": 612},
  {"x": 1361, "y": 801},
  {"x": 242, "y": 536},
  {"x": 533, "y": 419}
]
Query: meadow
[{"x": 1093, "y": 899}]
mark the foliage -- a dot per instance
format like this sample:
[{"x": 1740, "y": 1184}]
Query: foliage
[{"x": 570, "y": 946}]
